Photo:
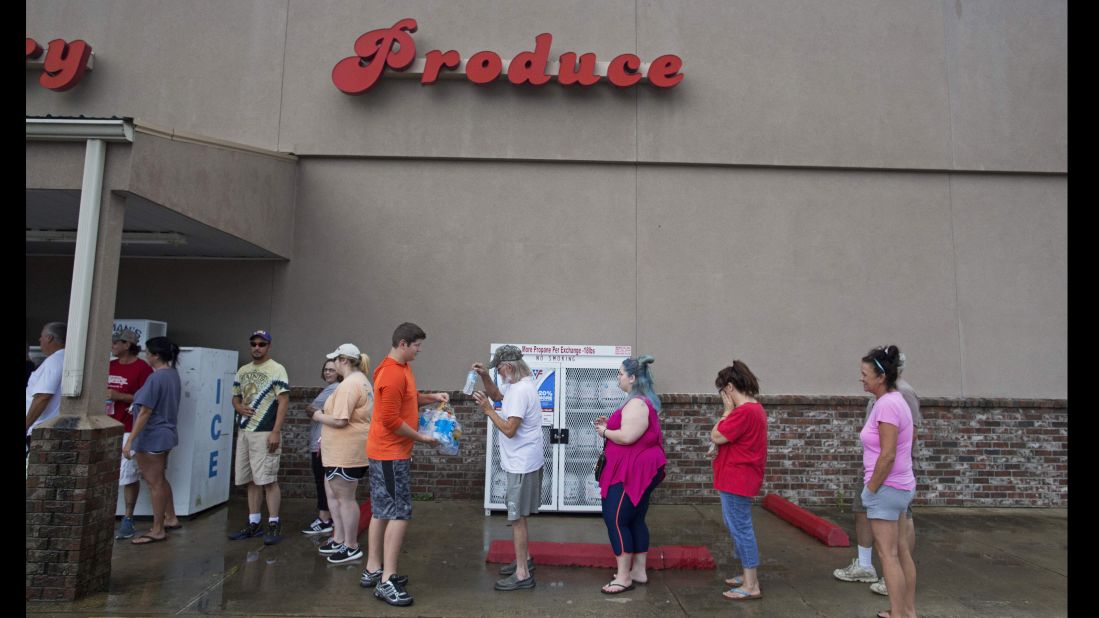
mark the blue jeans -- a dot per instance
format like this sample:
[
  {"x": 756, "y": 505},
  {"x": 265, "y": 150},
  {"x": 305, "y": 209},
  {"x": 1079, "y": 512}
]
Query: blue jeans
[{"x": 737, "y": 511}]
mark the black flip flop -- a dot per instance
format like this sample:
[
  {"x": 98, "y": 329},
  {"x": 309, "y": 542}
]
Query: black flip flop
[
  {"x": 622, "y": 588},
  {"x": 175, "y": 527}
]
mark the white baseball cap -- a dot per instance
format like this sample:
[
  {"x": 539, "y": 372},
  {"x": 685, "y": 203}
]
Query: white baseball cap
[{"x": 347, "y": 349}]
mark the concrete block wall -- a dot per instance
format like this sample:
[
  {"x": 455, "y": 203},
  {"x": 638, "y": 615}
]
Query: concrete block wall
[{"x": 970, "y": 452}]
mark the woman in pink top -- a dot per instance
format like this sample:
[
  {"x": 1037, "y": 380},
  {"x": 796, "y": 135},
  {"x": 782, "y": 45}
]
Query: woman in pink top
[
  {"x": 635, "y": 466},
  {"x": 890, "y": 484}
]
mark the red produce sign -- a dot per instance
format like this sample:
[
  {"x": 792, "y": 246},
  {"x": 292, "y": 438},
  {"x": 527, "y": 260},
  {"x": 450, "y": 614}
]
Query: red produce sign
[{"x": 395, "y": 49}]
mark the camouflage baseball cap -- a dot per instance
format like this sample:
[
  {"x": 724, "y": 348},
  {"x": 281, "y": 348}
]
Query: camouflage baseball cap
[
  {"x": 505, "y": 353},
  {"x": 126, "y": 334}
]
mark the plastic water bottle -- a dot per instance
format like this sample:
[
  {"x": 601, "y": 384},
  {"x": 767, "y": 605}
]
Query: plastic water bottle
[{"x": 471, "y": 382}]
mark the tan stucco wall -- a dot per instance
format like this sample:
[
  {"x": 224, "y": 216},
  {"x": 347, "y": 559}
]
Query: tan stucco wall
[
  {"x": 1011, "y": 239},
  {"x": 946, "y": 84},
  {"x": 250, "y": 196},
  {"x": 538, "y": 223},
  {"x": 60, "y": 165},
  {"x": 472, "y": 252},
  {"x": 207, "y": 66},
  {"x": 797, "y": 272}
]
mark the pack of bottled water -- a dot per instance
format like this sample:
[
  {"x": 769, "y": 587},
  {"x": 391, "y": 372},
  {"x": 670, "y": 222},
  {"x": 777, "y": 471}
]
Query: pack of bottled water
[{"x": 439, "y": 421}]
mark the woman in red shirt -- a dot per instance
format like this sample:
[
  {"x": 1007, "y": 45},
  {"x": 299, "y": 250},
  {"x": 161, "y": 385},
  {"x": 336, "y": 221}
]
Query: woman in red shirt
[{"x": 741, "y": 438}]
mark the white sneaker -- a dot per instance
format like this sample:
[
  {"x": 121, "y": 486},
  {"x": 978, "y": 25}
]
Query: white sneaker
[
  {"x": 855, "y": 573},
  {"x": 879, "y": 587}
]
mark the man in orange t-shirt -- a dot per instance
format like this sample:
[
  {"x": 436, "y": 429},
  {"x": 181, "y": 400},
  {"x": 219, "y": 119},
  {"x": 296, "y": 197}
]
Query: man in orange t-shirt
[{"x": 389, "y": 449}]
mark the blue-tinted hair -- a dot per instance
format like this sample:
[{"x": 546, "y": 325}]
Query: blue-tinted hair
[{"x": 639, "y": 368}]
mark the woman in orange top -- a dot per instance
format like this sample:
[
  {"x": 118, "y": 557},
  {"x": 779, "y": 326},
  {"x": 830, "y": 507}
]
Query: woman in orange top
[{"x": 345, "y": 422}]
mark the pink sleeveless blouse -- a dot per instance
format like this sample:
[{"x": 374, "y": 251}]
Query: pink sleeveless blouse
[{"x": 635, "y": 464}]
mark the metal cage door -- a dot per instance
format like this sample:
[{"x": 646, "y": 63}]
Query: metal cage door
[{"x": 589, "y": 392}]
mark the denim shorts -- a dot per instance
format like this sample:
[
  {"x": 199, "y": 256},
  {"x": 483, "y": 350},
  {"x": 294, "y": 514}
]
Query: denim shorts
[
  {"x": 888, "y": 503},
  {"x": 856, "y": 499}
]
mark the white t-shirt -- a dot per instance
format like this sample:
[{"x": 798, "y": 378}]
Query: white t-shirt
[
  {"x": 46, "y": 379},
  {"x": 523, "y": 452}
]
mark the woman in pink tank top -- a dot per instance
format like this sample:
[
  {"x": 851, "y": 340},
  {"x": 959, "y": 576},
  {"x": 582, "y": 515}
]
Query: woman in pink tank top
[{"x": 635, "y": 466}]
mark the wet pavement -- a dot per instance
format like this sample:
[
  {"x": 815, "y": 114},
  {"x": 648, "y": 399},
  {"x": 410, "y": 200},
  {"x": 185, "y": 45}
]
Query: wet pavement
[{"x": 970, "y": 562}]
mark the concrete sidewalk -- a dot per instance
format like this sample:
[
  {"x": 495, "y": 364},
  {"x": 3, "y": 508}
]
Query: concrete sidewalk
[{"x": 971, "y": 562}]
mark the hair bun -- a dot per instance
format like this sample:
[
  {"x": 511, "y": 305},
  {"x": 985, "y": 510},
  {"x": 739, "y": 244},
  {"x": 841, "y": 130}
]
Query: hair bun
[{"x": 645, "y": 359}]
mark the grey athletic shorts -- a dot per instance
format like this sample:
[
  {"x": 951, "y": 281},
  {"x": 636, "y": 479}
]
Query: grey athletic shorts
[
  {"x": 391, "y": 489},
  {"x": 524, "y": 494}
]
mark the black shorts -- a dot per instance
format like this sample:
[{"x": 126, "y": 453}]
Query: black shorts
[{"x": 347, "y": 474}]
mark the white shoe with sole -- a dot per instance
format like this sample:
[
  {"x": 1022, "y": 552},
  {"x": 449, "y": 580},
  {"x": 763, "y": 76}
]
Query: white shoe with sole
[{"x": 855, "y": 573}]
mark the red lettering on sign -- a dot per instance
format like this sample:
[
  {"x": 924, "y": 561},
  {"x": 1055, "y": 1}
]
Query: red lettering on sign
[
  {"x": 664, "y": 71},
  {"x": 531, "y": 66},
  {"x": 34, "y": 50},
  {"x": 568, "y": 74},
  {"x": 374, "y": 51},
  {"x": 394, "y": 48},
  {"x": 64, "y": 64},
  {"x": 622, "y": 71},
  {"x": 484, "y": 67},
  {"x": 435, "y": 61}
]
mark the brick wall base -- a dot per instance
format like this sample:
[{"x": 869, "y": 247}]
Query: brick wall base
[
  {"x": 970, "y": 452},
  {"x": 72, "y": 486}
]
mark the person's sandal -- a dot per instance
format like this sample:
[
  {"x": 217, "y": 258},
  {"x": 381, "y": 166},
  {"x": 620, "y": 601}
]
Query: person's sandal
[
  {"x": 739, "y": 594},
  {"x": 620, "y": 590}
]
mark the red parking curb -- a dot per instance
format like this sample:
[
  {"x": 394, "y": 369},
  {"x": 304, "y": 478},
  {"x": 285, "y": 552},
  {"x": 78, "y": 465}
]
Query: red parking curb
[
  {"x": 823, "y": 530},
  {"x": 600, "y": 555}
]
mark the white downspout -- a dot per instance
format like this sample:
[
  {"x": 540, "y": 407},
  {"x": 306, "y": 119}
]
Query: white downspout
[{"x": 80, "y": 300}]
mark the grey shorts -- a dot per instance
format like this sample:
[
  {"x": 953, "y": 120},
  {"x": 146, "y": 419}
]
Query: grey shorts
[
  {"x": 888, "y": 503},
  {"x": 858, "y": 507},
  {"x": 391, "y": 489},
  {"x": 524, "y": 494}
]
